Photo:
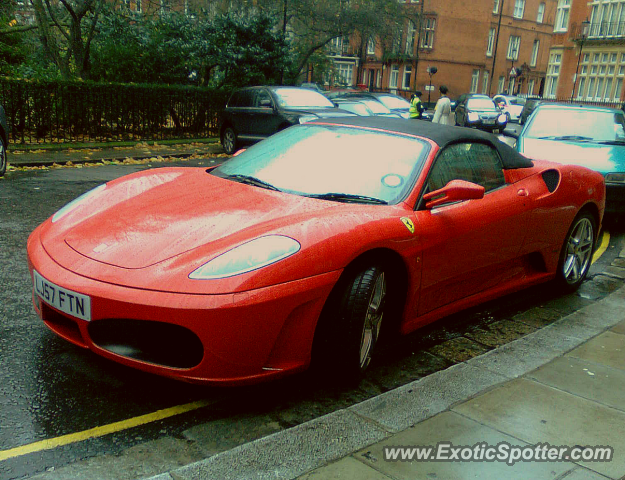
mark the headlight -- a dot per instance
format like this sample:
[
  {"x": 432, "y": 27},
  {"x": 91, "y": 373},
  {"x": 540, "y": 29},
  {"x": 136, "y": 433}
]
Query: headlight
[
  {"x": 77, "y": 202},
  {"x": 502, "y": 118},
  {"x": 615, "y": 178},
  {"x": 473, "y": 117},
  {"x": 307, "y": 118},
  {"x": 252, "y": 255}
]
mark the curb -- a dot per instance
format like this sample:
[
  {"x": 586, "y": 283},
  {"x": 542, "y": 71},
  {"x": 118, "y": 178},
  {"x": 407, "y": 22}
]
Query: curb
[{"x": 296, "y": 451}]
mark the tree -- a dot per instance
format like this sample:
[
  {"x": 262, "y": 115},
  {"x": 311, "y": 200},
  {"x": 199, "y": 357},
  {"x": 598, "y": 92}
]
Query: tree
[
  {"x": 13, "y": 49},
  {"x": 66, "y": 30}
]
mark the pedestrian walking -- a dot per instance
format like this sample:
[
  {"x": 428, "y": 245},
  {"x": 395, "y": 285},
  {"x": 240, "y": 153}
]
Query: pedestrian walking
[
  {"x": 416, "y": 106},
  {"x": 442, "y": 110}
]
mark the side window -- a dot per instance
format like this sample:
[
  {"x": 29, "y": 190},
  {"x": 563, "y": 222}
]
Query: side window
[
  {"x": 263, "y": 99},
  {"x": 245, "y": 98},
  {"x": 235, "y": 99},
  {"x": 474, "y": 162}
]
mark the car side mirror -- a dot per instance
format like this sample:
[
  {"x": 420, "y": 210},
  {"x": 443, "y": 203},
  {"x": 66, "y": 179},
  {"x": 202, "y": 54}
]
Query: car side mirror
[{"x": 454, "y": 191}]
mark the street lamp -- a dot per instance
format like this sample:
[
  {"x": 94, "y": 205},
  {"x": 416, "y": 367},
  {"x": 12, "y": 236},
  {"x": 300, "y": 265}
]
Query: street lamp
[
  {"x": 583, "y": 36},
  {"x": 431, "y": 71}
]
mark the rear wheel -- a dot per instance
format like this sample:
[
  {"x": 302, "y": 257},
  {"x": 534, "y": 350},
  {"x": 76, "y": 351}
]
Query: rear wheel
[
  {"x": 229, "y": 140},
  {"x": 576, "y": 253},
  {"x": 350, "y": 324},
  {"x": 3, "y": 157}
]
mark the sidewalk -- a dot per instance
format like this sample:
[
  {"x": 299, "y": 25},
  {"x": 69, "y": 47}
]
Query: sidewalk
[
  {"x": 563, "y": 385},
  {"x": 142, "y": 150}
]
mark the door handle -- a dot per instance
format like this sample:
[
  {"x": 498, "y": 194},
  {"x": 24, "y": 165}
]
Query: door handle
[{"x": 523, "y": 192}]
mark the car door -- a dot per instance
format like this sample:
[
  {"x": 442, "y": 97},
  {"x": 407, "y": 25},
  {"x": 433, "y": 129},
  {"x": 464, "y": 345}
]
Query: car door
[
  {"x": 461, "y": 111},
  {"x": 240, "y": 112},
  {"x": 469, "y": 246},
  {"x": 267, "y": 119}
]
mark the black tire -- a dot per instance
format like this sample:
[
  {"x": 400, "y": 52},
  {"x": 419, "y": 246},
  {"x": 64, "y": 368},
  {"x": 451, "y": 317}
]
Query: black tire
[
  {"x": 350, "y": 323},
  {"x": 576, "y": 253},
  {"x": 229, "y": 140},
  {"x": 3, "y": 157}
]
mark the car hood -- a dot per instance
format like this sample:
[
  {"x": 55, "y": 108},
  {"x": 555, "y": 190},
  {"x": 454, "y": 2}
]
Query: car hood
[
  {"x": 320, "y": 112},
  {"x": 601, "y": 158}
]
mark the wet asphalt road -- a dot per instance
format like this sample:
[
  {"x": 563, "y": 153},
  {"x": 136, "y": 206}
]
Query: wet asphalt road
[{"x": 49, "y": 388}]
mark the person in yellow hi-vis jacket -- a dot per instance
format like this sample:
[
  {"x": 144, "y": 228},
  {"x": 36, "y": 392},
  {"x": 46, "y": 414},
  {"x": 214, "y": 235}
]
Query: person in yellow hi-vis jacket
[
  {"x": 416, "y": 106},
  {"x": 442, "y": 110}
]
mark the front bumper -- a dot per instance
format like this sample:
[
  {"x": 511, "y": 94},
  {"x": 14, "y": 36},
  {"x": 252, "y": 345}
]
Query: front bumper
[{"x": 226, "y": 339}]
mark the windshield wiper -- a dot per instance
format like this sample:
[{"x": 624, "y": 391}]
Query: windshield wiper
[
  {"x": 347, "y": 198},
  {"x": 610, "y": 142},
  {"x": 575, "y": 138},
  {"x": 249, "y": 180}
]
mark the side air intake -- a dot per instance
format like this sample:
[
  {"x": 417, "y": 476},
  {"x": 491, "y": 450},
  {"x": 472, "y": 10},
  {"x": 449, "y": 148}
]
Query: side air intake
[{"x": 551, "y": 179}]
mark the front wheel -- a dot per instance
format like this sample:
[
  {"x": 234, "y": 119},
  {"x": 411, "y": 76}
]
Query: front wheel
[
  {"x": 229, "y": 140},
  {"x": 350, "y": 324},
  {"x": 3, "y": 157},
  {"x": 576, "y": 253}
]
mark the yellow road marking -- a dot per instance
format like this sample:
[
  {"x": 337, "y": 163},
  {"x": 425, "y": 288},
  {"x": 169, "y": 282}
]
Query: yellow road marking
[
  {"x": 101, "y": 431},
  {"x": 605, "y": 241}
]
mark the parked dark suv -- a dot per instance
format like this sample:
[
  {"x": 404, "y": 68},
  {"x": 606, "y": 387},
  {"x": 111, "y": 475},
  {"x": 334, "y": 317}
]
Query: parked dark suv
[
  {"x": 4, "y": 141},
  {"x": 255, "y": 113}
]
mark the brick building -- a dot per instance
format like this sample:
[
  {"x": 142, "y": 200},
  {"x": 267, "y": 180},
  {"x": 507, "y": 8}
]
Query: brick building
[
  {"x": 590, "y": 40},
  {"x": 481, "y": 46}
]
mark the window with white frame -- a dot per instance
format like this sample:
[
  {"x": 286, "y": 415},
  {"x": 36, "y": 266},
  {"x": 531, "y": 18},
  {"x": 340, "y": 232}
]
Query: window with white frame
[
  {"x": 601, "y": 79},
  {"x": 371, "y": 46},
  {"x": 485, "y": 83},
  {"x": 475, "y": 79},
  {"x": 378, "y": 78},
  {"x": 501, "y": 84},
  {"x": 394, "y": 78},
  {"x": 427, "y": 39},
  {"x": 540, "y": 16},
  {"x": 562, "y": 16},
  {"x": 513, "y": 47},
  {"x": 346, "y": 72},
  {"x": 496, "y": 6},
  {"x": 337, "y": 44},
  {"x": 530, "y": 86},
  {"x": 410, "y": 36},
  {"x": 607, "y": 18},
  {"x": 407, "y": 74},
  {"x": 553, "y": 72},
  {"x": 519, "y": 8},
  {"x": 534, "y": 57},
  {"x": 491, "y": 42}
]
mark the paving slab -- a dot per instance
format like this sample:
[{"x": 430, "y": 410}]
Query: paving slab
[
  {"x": 619, "y": 328},
  {"x": 585, "y": 379},
  {"x": 346, "y": 469},
  {"x": 537, "y": 413},
  {"x": 607, "y": 349},
  {"x": 459, "y": 431}
]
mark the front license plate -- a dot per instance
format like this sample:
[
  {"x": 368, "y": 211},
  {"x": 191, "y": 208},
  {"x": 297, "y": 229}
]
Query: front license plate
[
  {"x": 489, "y": 122},
  {"x": 73, "y": 303}
]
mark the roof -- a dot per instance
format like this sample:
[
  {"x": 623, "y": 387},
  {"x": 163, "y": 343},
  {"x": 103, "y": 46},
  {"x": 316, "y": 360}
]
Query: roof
[{"x": 442, "y": 135}]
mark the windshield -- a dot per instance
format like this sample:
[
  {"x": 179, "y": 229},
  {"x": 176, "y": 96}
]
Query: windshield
[
  {"x": 517, "y": 101},
  {"x": 301, "y": 97},
  {"x": 393, "y": 102},
  {"x": 314, "y": 160},
  {"x": 481, "y": 104},
  {"x": 375, "y": 106},
  {"x": 356, "y": 107},
  {"x": 576, "y": 125}
]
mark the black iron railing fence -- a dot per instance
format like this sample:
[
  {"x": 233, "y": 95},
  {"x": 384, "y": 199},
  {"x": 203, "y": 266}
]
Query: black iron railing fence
[{"x": 70, "y": 112}]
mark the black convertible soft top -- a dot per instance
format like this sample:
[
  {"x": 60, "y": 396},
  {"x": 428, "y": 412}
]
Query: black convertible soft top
[{"x": 442, "y": 135}]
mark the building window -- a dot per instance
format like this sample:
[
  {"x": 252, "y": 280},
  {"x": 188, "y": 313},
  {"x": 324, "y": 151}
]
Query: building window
[
  {"x": 534, "y": 57},
  {"x": 541, "y": 13},
  {"x": 582, "y": 84},
  {"x": 562, "y": 16},
  {"x": 138, "y": 6},
  {"x": 407, "y": 75},
  {"x": 337, "y": 44},
  {"x": 346, "y": 71},
  {"x": 410, "y": 35},
  {"x": 371, "y": 46},
  {"x": 513, "y": 47},
  {"x": 618, "y": 84},
  {"x": 378, "y": 78},
  {"x": 485, "y": 83},
  {"x": 427, "y": 39},
  {"x": 392, "y": 83},
  {"x": 496, "y": 6},
  {"x": 553, "y": 72},
  {"x": 530, "y": 86},
  {"x": 501, "y": 84},
  {"x": 491, "y": 42},
  {"x": 519, "y": 8},
  {"x": 475, "y": 79}
]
